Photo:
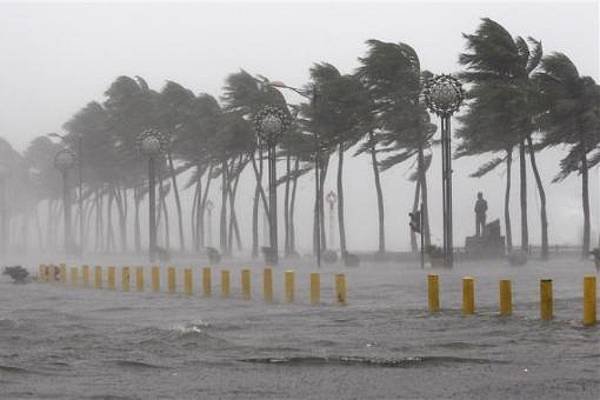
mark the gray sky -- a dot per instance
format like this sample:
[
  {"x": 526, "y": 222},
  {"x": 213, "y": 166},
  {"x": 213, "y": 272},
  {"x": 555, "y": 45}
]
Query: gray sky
[{"x": 57, "y": 57}]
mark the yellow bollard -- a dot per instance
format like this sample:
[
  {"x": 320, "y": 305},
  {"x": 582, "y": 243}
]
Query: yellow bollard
[
  {"x": 546, "y": 302},
  {"x": 98, "y": 277},
  {"x": 171, "y": 279},
  {"x": 187, "y": 281},
  {"x": 268, "y": 284},
  {"x": 74, "y": 276},
  {"x": 433, "y": 292},
  {"x": 85, "y": 275},
  {"x": 225, "y": 283},
  {"x": 468, "y": 295},
  {"x": 206, "y": 281},
  {"x": 315, "y": 288},
  {"x": 246, "y": 285},
  {"x": 41, "y": 271},
  {"x": 505, "y": 297},
  {"x": 589, "y": 300},
  {"x": 289, "y": 286},
  {"x": 112, "y": 273},
  {"x": 340, "y": 288},
  {"x": 125, "y": 279},
  {"x": 139, "y": 279},
  {"x": 156, "y": 279},
  {"x": 63, "y": 273}
]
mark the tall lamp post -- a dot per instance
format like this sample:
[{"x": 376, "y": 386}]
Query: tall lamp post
[
  {"x": 209, "y": 208},
  {"x": 331, "y": 199},
  {"x": 444, "y": 95},
  {"x": 4, "y": 173},
  {"x": 270, "y": 123},
  {"x": 64, "y": 160},
  {"x": 311, "y": 95},
  {"x": 151, "y": 143},
  {"x": 80, "y": 188}
]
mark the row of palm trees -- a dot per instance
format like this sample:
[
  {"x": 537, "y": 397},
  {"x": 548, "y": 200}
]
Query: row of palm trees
[{"x": 518, "y": 99}]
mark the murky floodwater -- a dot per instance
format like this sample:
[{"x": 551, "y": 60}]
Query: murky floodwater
[{"x": 76, "y": 343}]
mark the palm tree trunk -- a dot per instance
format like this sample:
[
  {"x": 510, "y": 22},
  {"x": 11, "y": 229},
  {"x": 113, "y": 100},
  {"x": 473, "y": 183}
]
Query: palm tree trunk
[
  {"x": 255, "y": 204},
  {"x": 177, "y": 202},
  {"x": 223, "y": 221},
  {"x": 340, "y": 202},
  {"x": 194, "y": 218},
  {"x": 137, "y": 229},
  {"x": 110, "y": 235},
  {"x": 163, "y": 203},
  {"x": 422, "y": 173},
  {"x": 292, "y": 208},
  {"x": 413, "y": 236},
  {"x": 38, "y": 226},
  {"x": 202, "y": 209},
  {"x": 507, "y": 223},
  {"x": 49, "y": 224},
  {"x": 585, "y": 250},
  {"x": 122, "y": 218},
  {"x": 234, "y": 229},
  {"x": 286, "y": 208},
  {"x": 323, "y": 175},
  {"x": 542, "y": 193},
  {"x": 523, "y": 173},
  {"x": 379, "y": 192}
]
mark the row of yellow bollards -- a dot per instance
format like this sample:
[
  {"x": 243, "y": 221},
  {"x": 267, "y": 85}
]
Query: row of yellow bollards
[
  {"x": 52, "y": 273},
  {"x": 505, "y": 297}
]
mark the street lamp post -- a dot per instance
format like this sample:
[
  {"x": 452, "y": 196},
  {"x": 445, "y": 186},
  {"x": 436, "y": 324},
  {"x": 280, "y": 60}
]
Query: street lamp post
[
  {"x": 331, "y": 199},
  {"x": 152, "y": 144},
  {"x": 209, "y": 208},
  {"x": 64, "y": 160},
  {"x": 80, "y": 188},
  {"x": 312, "y": 95},
  {"x": 444, "y": 95},
  {"x": 270, "y": 123}
]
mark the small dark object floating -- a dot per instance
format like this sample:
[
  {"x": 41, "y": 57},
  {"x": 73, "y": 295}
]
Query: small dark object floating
[{"x": 17, "y": 273}]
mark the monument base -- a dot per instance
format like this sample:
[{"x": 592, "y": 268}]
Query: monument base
[{"x": 490, "y": 245}]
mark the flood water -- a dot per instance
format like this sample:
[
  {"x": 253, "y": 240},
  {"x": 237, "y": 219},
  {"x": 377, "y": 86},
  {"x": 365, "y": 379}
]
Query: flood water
[{"x": 59, "y": 342}]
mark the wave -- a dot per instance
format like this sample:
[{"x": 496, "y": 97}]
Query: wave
[
  {"x": 408, "y": 362},
  {"x": 135, "y": 364},
  {"x": 14, "y": 370},
  {"x": 8, "y": 323},
  {"x": 114, "y": 309},
  {"x": 191, "y": 328}
]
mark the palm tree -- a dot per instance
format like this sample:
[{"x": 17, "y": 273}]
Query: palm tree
[
  {"x": 342, "y": 103},
  {"x": 175, "y": 106},
  {"x": 503, "y": 67},
  {"x": 245, "y": 95},
  {"x": 571, "y": 103},
  {"x": 391, "y": 73},
  {"x": 484, "y": 130}
]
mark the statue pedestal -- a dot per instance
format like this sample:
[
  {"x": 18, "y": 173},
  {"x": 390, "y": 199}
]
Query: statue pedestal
[{"x": 490, "y": 245}]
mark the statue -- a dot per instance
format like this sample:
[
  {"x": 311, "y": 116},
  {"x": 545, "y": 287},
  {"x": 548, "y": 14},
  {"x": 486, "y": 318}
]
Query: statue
[
  {"x": 480, "y": 210},
  {"x": 488, "y": 241}
]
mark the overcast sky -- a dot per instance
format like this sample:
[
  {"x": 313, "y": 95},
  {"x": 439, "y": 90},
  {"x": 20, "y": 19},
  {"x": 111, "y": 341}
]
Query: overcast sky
[{"x": 57, "y": 57}]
